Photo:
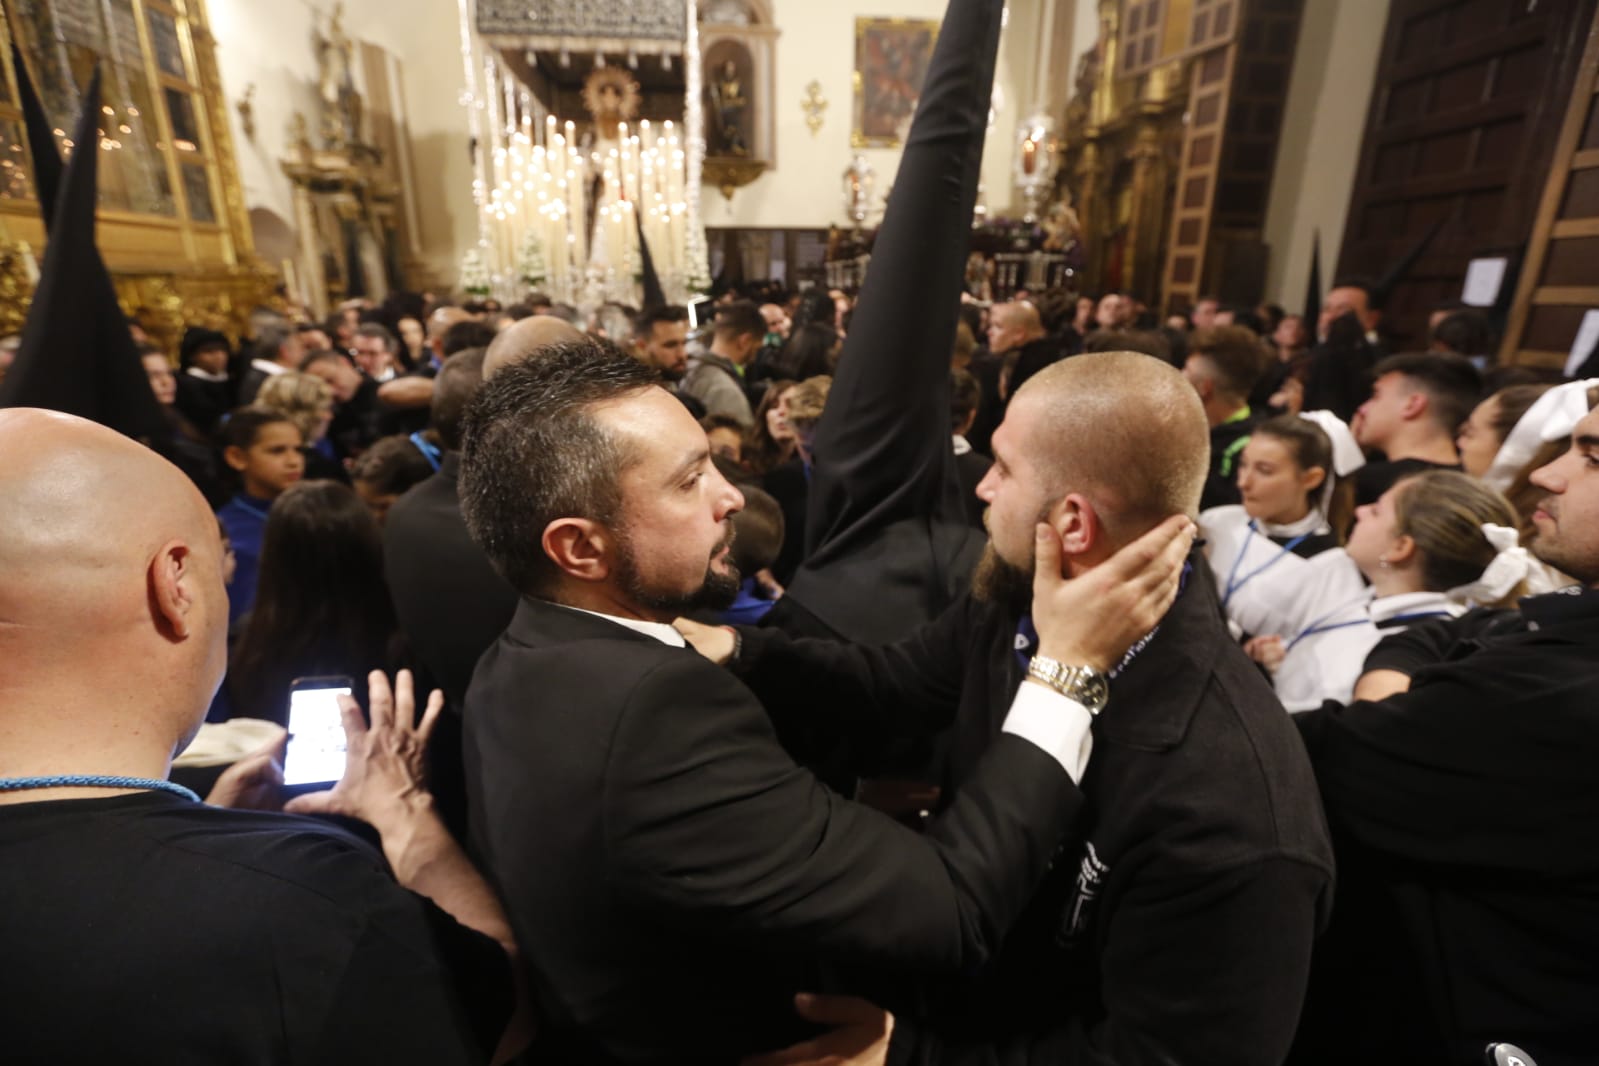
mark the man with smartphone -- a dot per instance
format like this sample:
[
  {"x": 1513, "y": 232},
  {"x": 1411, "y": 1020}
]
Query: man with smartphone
[{"x": 195, "y": 933}]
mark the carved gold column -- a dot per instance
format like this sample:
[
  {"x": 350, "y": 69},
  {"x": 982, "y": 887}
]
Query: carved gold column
[{"x": 1148, "y": 198}]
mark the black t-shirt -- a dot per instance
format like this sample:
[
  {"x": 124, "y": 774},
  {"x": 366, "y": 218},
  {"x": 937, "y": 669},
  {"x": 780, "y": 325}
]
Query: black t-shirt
[
  {"x": 147, "y": 928},
  {"x": 1376, "y": 478}
]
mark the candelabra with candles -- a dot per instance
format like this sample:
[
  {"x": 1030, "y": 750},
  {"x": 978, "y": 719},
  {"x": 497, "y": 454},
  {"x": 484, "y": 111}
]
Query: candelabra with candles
[{"x": 1037, "y": 159}]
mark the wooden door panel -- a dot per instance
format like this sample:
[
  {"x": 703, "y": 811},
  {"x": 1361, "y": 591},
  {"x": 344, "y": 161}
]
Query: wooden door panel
[{"x": 1469, "y": 97}]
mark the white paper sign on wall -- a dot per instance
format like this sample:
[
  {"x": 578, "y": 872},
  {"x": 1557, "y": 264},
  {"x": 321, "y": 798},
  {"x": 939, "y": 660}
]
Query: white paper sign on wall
[
  {"x": 1484, "y": 278},
  {"x": 1583, "y": 346}
]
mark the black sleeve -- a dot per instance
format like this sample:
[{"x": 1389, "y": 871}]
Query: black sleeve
[
  {"x": 709, "y": 822},
  {"x": 863, "y": 693},
  {"x": 882, "y": 447},
  {"x": 419, "y": 987},
  {"x": 1432, "y": 642},
  {"x": 1207, "y": 968}
]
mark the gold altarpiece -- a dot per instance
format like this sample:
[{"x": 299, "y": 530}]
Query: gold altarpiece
[
  {"x": 172, "y": 224},
  {"x": 1171, "y": 141}
]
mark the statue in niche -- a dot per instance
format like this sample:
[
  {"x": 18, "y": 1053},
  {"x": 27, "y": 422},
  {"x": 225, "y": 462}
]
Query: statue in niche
[
  {"x": 731, "y": 104},
  {"x": 611, "y": 97},
  {"x": 341, "y": 104}
]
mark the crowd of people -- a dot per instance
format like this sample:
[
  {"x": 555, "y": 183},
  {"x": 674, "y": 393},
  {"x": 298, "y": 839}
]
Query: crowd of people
[{"x": 815, "y": 676}]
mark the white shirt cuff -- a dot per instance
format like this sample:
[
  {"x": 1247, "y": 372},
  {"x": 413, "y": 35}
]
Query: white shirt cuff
[{"x": 1061, "y": 726}]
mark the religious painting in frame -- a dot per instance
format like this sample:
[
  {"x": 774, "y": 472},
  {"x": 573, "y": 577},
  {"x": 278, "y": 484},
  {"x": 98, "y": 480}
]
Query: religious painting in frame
[{"x": 891, "y": 57}]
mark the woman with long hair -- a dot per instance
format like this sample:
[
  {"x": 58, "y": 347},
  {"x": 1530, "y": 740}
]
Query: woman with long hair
[
  {"x": 769, "y": 442},
  {"x": 1432, "y": 546},
  {"x": 321, "y": 606}
]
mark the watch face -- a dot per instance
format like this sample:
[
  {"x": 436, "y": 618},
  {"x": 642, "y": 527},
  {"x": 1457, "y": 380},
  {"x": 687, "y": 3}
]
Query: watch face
[{"x": 1096, "y": 690}]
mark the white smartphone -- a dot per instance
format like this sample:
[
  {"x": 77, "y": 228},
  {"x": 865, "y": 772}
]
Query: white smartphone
[{"x": 316, "y": 752}]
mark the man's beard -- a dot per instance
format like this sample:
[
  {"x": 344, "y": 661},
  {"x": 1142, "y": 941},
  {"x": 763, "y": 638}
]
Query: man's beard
[
  {"x": 1548, "y": 550},
  {"x": 717, "y": 592},
  {"x": 999, "y": 582}
]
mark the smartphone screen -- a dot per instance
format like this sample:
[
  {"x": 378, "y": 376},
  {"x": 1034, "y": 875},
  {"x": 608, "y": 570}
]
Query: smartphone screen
[{"x": 315, "y": 754}]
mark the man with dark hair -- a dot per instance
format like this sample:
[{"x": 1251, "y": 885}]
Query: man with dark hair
[
  {"x": 1223, "y": 364},
  {"x": 463, "y": 335},
  {"x": 716, "y": 378},
  {"x": 660, "y": 338},
  {"x": 1347, "y": 347},
  {"x": 448, "y": 600},
  {"x": 1203, "y": 316},
  {"x": 313, "y": 337},
  {"x": 701, "y": 873},
  {"x": 1417, "y": 404},
  {"x": 1467, "y": 333},
  {"x": 374, "y": 347},
  {"x": 277, "y": 348}
]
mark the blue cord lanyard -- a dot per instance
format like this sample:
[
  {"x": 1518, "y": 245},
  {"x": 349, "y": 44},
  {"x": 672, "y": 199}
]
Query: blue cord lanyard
[
  {"x": 1320, "y": 626},
  {"x": 429, "y": 452},
  {"x": 17, "y": 784},
  {"x": 1234, "y": 582}
]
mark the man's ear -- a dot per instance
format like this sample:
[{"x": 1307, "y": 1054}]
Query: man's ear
[
  {"x": 1415, "y": 405},
  {"x": 580, "y": 547},
  {"x": 1075, "y": 519},
  {"x": 171, "y": 581}
]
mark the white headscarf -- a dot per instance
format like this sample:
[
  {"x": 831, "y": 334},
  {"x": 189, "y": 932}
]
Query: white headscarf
[
  {"x": 1551, "y": 417},
  {"x": 1346, "y": 454}
]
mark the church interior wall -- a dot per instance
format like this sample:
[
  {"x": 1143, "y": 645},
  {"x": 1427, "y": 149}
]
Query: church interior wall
[
  {"x": 817, "y": 42},
  {"x": 1329, "y": 93},
  {"x": 273, "y": 46}
]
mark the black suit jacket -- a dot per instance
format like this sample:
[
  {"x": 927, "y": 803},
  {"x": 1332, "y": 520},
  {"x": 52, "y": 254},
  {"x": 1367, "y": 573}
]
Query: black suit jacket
[
  {"x": 673, "y": 877},
  {"x": 451, "y": 604},
  {"x": 1176, "y": 924}
]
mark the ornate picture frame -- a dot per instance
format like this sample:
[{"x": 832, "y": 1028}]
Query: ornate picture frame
[{"x": 891, "y": 57}]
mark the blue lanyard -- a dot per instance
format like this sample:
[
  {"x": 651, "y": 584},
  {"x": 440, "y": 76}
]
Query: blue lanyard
[
  {"x": 429, "y": 452},
  {"x": 1234, "y": 583},
  {"x": 1320, "y": 626},
  {"x": 17, "y": 784}
]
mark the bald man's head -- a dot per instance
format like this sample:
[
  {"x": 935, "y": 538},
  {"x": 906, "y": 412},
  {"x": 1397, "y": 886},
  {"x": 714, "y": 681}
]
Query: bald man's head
[
  {"x": 1012, "y": 325},
  {"x": 111, "y": 593},
  {"x": 1123, "y": 428},
  {"x": 526, "y": 338}
]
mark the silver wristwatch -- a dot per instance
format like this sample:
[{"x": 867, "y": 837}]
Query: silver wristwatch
[{"x": 1083, "y": 684}]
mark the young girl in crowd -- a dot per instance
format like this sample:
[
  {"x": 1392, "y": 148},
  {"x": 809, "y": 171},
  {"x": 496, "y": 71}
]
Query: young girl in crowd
[
  {"x": 322, "y": 607},
  {"x": 307, "y": 401},
  {"x": 1430, "y": 547},
  {"x": 261, "y": 447},
  {"x": 1297, "y": 503}
]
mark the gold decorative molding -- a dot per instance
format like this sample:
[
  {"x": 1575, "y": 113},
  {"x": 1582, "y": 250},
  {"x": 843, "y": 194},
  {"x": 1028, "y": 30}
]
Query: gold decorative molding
[
  {"x": 16, "y": 286},
  {"x": 813, "y": 103},
  {"x": 730, "y": 175}
]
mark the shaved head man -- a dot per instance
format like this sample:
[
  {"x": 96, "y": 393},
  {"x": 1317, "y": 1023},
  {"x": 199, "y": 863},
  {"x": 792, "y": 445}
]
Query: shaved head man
[
  {"x": 1016, "y": 333},
  {"x": 92, "y": 620},
  {"x": 524, "y": 339},
  {"x": 119, "y": 889},
  {"x": 1199, "y": 787}
]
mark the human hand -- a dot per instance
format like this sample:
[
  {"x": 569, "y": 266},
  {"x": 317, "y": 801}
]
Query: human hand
[
  {"x": 253, "y": 783},
  {"x": 716, "y": 643},
  {"x": 385, "y": 772},
  {"x": 860, "y": 1039},
  {"x": 1268, "y": 651},
  {"x": 769, "y": 584},
  {"x": 1093, "y": 619}
]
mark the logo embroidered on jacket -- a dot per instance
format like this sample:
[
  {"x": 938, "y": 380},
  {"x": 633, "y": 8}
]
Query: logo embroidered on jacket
[{"x": 1090, "y": 876}]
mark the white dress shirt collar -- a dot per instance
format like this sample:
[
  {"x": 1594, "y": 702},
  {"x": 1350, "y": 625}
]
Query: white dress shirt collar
[{"x": 659, "y": 630}]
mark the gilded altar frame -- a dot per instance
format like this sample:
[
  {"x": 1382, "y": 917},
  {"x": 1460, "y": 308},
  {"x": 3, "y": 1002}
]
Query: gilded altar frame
[{"x": 193, "y": 266}]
